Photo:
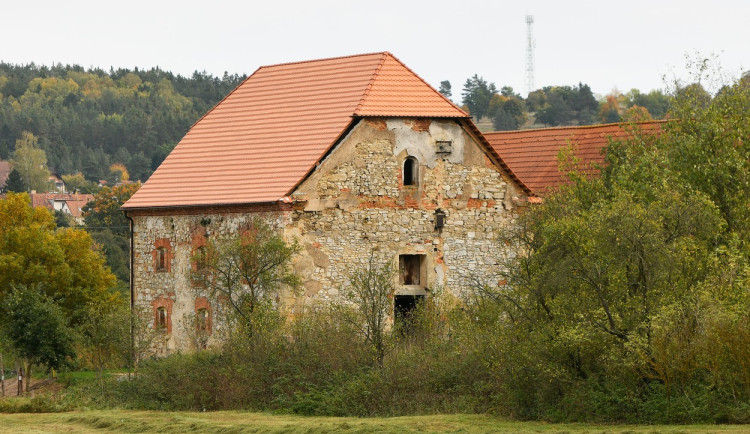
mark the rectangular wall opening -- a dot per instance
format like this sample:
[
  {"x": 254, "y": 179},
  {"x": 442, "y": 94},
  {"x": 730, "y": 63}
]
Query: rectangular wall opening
[
  {"x": 404, "y": 307},
  {"x": 410, "y": 269}
]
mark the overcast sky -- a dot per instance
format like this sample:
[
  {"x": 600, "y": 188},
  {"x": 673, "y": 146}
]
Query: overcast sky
[{"x": 606, "y": 44}]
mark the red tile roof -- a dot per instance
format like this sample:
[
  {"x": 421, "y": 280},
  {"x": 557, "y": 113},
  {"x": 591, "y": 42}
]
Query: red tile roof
[
  {"x": 4, "y": 173},
  {"x": 75, "y": 202},
  {"x": 532, "y": 154},
  {"x": 264, "y": 138}
]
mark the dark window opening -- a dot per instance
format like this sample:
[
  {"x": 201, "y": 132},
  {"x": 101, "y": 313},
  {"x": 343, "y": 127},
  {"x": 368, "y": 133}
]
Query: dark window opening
[
  {"x": 161, "y": 259},
  {"x": 404, "y": 307},
  {"x": 444, "y": 146},
  {"x": 410, "y": 171},
  {"x": 201, "y": 319},
  {"x": 161, "y": 318},
  {"x": 200, "y": 258},
  {"x": 410, "y": 269}
]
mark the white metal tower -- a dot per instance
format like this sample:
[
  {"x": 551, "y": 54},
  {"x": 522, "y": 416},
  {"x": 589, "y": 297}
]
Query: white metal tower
[{"x": 530, "y": 54}]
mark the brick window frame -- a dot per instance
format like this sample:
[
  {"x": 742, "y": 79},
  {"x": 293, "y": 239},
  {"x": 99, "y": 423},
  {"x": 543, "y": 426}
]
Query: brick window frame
[
  {"x": 164, "y": 303},
  {"x": 197, "y": 244},
  {"x": 162, "y": 255},
  {"x": 202, "y": 304}
]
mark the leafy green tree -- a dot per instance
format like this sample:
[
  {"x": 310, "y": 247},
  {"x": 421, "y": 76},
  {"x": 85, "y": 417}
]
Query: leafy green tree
[
  {"x": 510, "y": 116},
  {"x": 477, "y": 94},
  {"x": 61, "y": 262},
  {"x": 656, "y": 102},
  {"x": 14, "y": 184},
  {"x": 247, "y": 271},
  {"x": 370, "y": 291},
  {"x": 31, "y": 163},
  {"x": 139, "y": 167},
  {"x": 104, "y": 210},
  {"x": 37, "y": 328},
  {"x": 76, "y": 183},
  {"x": 445, "y": 89},
  {"x": 708, "y": 148},
  {"x": 109, "y": 227},
  {"x": 633, "y": 280},
  {"x": 508, "y": 92},
  {"x": 567, "y": 105},
  {"x": 105, "y": 335},
  {"x": 536, "y": 100}
]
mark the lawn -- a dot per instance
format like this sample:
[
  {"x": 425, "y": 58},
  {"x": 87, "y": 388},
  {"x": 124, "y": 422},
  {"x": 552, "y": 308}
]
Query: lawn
[{"x": 240, "y": 422}]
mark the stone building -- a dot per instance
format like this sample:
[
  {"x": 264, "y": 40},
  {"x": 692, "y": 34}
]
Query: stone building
[{"x": 347, "y": 156}]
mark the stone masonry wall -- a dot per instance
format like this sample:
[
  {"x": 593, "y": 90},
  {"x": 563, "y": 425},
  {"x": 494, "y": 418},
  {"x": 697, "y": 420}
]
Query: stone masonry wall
[{"x": 355, "y": 203}]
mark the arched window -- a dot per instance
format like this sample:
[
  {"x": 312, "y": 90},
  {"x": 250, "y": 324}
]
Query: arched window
[
  {"x": 411, "y": 171},
  {"x": 161, "y": 259},
  {"x": 162, "y": 314},
  {"x": 200, "y": 258},
  {"x": 162, "y": 255},
  {"x": 161, "y": 318},
  {"x": 202, "y": 320}
]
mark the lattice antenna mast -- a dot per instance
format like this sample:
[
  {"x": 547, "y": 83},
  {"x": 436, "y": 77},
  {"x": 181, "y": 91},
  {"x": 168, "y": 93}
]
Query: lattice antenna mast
[{"x": 530, "y": 53}]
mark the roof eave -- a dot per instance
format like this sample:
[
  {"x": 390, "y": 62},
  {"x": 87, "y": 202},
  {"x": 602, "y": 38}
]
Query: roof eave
[{"x": 136, "y": 208}]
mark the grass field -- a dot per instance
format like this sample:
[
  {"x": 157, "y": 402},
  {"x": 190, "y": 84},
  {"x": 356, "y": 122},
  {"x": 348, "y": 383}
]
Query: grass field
[{"x": 241, "y": 422}]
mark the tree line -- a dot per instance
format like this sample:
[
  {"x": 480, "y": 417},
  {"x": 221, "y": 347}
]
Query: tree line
[
  {"x": 555, "y": 105},
  {"x": 88, "y": 119}
]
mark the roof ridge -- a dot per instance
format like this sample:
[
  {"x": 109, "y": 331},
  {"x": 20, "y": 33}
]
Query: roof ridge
[
  {"x": 321, "y": 60},
  {"x": 370, "y": 83},
  {"x": 280, "y": 64},
  {"x": 580, "y": 127},
  {"x": 426, "y": 83}
]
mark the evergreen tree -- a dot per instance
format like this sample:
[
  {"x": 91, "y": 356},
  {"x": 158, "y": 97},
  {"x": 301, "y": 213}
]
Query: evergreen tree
[
  {"x": 14, "y": 184},
  {"x": 445, "y": 89},
  {"x": 477, "y": 94}
]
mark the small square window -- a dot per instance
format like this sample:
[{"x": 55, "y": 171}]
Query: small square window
[
  {"x": 444, "y": 146},
  {"x": 410, "y": 269}
]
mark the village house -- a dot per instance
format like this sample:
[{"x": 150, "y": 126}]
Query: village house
[
  {"x": 67, "y": 203},
  {"x": 349, "y": 156}
]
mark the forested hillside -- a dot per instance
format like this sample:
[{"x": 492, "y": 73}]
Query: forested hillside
[
  {"x": 89, "y": 119},
  {"x": 86, "y": 120}
]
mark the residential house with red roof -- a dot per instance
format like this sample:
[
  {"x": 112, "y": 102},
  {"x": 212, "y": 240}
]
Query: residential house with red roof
[
  {"x": 349, "y": 156},
  {"x": 68, "y": 203}
]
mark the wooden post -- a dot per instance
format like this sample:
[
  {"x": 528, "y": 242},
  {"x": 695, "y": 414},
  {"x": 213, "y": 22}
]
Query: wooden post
[
  {"x": 28, "y": 374},
  {"x": 2, "y": 375},
  {"x": 19, "y": 369}
]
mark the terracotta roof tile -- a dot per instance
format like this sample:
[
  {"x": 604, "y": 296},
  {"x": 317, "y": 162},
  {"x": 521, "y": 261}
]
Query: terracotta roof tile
[
  {"x": 532, "y": 154},
  {"x": 75, "y": 202},
  {"x": 265, "y": 137},
  {"x": 4, "y": 172}
]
